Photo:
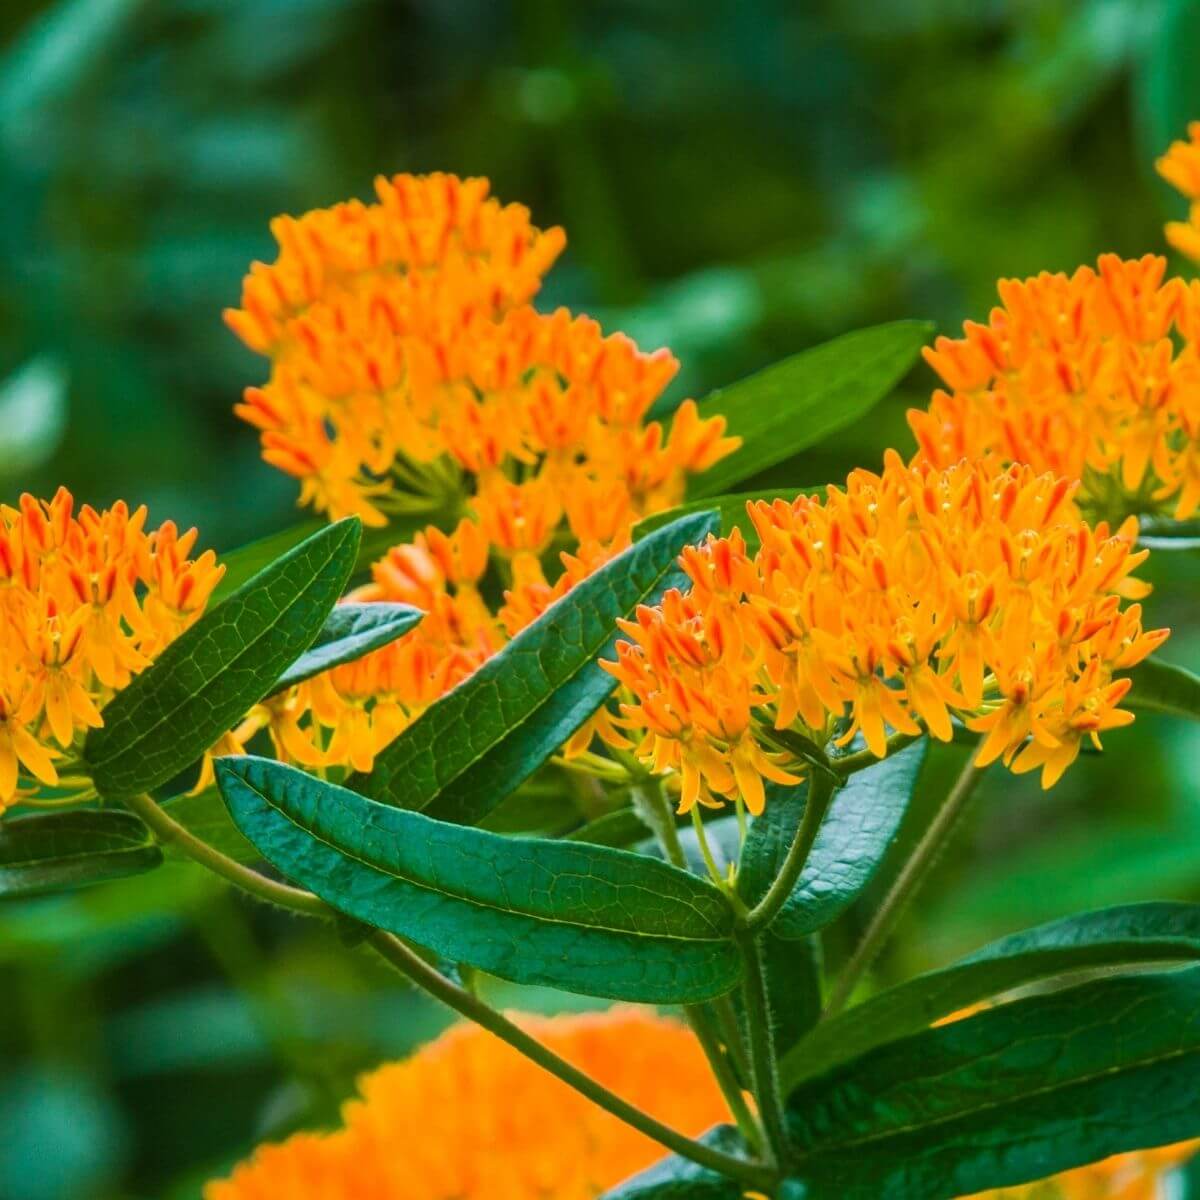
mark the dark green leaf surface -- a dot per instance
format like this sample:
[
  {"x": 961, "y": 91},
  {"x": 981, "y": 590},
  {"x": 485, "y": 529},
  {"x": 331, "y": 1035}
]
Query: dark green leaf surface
[
  {"x": 570, "y": 915},
  {"x": 349, "y": 632},
  {"x": 1010, "y": 1095},
  {"x": 1113, "y": 937},
  {"x": 52, "y": 851},
  {"x": 223, "y": 665},
  {"x": 483, "y": 739},
  {"x": 1166, "y": 688},
  {"x": 793, "y": 404},
  {"x": 676, "y": 1178},
  {"x": 854, "y": 837}
]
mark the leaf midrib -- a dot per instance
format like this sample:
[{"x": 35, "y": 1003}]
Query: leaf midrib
[
  {"x": 450, "y": 894},
  {"x": 152, "y": 729}
]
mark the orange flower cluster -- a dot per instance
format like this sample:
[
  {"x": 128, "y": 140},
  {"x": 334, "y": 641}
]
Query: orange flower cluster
[
  {"x": 903, "y": 600},
  {"x": 407, "y": 364},
  {"x": 87, "y": 600},
  {"x": 1139, "y": 1175},
  {"x": 1079, "y": 375},
  {"x": 403, "y": 350},
  {"x": 1180, "y": 167},
  {"x": 469, "y": 1117}
]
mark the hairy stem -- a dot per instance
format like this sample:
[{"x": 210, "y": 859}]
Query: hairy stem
[
  {"x": 764, "y": 1067},
  {"x": 462, "y": 1002},
  {"x": 905, "y": 886}
]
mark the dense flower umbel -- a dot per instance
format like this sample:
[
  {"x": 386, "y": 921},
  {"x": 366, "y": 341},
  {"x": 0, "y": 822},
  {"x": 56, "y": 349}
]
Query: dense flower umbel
[
  {"x": 1140, "y": 1175},
  {"x": 469, "y": 1117},
  {"x": 900, "y": 601},
  {"x": 1080, "y": 376},
  {"x": 1180, "y": 167},
  {"x": 407, "y": 364},
  {"x": 87, "y": 600}
]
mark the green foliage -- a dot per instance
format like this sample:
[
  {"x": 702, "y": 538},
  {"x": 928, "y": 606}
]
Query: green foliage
[
  {"x": 571, "y": 915},
  {"x": 472, "y": 747},
  {"x": 731, "y": 507},
  {"x": 1010, "y": 1095},
  {"x": 1166, "y": 688},
  {"x": 797, "y": 402},
  {"x": 676, "y": 1178},
  {"x": 854, "y": 836},
  {"x": 53, "y": 851},
  {"x": 224, "y": 664},
  {"x": 349, "y": 632},
  {"x": 204, "y": 814},
  {"x": 1126, "y": 936}
]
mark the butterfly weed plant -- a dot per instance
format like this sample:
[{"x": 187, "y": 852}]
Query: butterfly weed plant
[{"x": 732, "y": 694}]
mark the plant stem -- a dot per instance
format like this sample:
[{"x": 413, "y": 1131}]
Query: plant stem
[
  {"x": 449, "y": 993},
  {"x": 652, "y": 806},
  {"x": 905, "y": 886},
  {"x": 167, "y": 829},
  {"x": 762, "y": 1049},
  {"x": 820, "y": 792}
]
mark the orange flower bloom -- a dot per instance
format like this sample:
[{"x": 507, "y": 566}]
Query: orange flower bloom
[
  {"x": 905, "y": 599},
  {"x": 1079, "y": 376},
  {"x": 87, "y": 601},
  {"x": 1139, "y": 1175},
  {"x": 467, "y": 1116},
  {"x": 1180, "y": 167}
]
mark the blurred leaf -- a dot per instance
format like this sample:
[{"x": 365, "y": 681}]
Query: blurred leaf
[
  {"x": 1166, "y": 688},
  {"x": 204, "y": 814},
  {"x": 472, "y": 747},
  {"x": 623, "y": 828},
  {"x": 1009, "y": 1095},
  {"x": 1167, "y": 82},
  {"x": 795, "y": 403},
  {"x": 33, "y": 415},
  {"x": 1133, "y": 934},
  {"x": 349, "y": 632},
  {"x": 52, "y": 851},
  {"x": 676, "y": 1178},
  {"x": 854, "y": 836},
  {"x": 1159, "y": 534},
  {"x": 219, "y": 668},
  {"x": 564, "y": 914}
]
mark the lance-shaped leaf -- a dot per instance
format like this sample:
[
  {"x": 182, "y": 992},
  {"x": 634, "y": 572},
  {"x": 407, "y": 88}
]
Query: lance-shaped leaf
[
  {"x": 854, "y": 837},
  {"x": 1130, "y": 935},
  {"x": 1010, "y": 1095},
  {"x": 349, "y": 632},
  {"x": 465, "y": 753},
  {"x": 675, "y": 1178},
  {"x": 223, "y": 665},
  {"x": 53, "y": 851},
  {"x": 794, "y": 404},
  {"x": 1164, "y": 687},
  {"x": 569, "y": 915}
]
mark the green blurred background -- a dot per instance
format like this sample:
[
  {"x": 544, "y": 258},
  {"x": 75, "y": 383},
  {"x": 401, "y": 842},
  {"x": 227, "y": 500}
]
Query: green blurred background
[{"x": 738, "y": 180}]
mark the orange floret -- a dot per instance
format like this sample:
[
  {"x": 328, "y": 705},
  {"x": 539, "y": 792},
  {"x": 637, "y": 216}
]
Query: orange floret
[
  {"x": 1079, "y": 376},
  {"x": 87, "y": 600},
  {"x": 904, "y": 600},
  {"x": 469, "y": 1117}
]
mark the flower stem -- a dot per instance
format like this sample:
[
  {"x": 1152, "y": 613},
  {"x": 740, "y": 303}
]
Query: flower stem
[
  {"x": 905, "y": 886},
  {"x": 762, "y": 1050},
  {"x": 449, "y": 993},
  {"x": 167, "y": 829},
  {"x": 820, "y": 792}
]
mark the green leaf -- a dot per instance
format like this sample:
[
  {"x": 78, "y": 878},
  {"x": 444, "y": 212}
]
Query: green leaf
[
  {"x": 349, "y": 632},
  {"x": 204, "y": 814},
  {"x": 561, "y": 914},
  {"x": 1010, "y": 1095},
  {"x": 1112, "y": 937},
  {"x": 855, "y": 835},
  {"x": 477, "y": 743},
  {"x": 223, "y": 665},
  {"x": 52, "y": 851},
  {"x": 794, "y": 404},
  {"x": 1161, "y": 533},
  {"x": 793, "y": 976},
  {"x": 1164, "y": 687},
  {"x": 1167, "y": 83},
  {"x": 730, "y": 507},
  {"x": 676, "y": 1178}
]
